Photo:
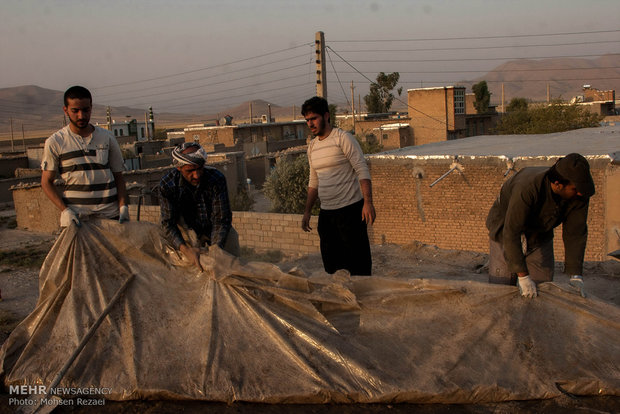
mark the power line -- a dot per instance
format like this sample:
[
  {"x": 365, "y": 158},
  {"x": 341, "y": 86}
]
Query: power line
[
  {"x": 204, "y": 78},
  {"x": 473, "y": 37},
  {"x": 473, "y": 59},
  {"x": 433, "y": 49},
  {"x": 205, "y": 68},
  {"x": 396, "y": 98},
  {"x": 337, "y": 77}
]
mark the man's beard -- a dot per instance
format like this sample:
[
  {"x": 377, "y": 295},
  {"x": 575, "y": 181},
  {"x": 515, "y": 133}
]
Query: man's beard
[{"x": 80, "y": 123}]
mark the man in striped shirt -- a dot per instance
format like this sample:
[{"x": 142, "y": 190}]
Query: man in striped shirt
[
  {"x": 89, "y": 162},
  {"x": 339, "y": 177}
]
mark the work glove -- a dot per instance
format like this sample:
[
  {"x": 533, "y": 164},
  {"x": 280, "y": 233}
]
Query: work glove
[
  {"x": 576, "y": 282},
  {"x": 124, "y": 214},
  {"x": 527, "y": 287},
  {"x": 67, "y": 216}
]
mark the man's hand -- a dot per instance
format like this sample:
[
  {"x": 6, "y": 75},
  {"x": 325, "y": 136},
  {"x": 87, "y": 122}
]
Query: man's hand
[
  {"x": 368, "y": 212},
  {"x": 576, "y": 282},
  {"x": 124, "y": 214},
  {"x": 192, "y": 254},
  {"x": 527, "y": 287},
  {"x": 67, "y": 216},
  {"x": 305, "y": 222}
]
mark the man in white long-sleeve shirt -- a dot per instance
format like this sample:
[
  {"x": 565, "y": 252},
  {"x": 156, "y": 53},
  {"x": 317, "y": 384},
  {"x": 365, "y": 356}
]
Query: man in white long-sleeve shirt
[{"x": 339, "y": 177}]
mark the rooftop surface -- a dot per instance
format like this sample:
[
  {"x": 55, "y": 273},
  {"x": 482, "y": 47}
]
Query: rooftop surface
[{"x": 598, "y": 142}]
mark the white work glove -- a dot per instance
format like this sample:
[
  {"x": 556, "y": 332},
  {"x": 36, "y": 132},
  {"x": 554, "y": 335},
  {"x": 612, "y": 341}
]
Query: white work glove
[
  {"x": 124, "y": 214},
  {"x": 527, "y": 287},
  {"x": 576, "y": 282},
  {"x": 67, "y": 216}
]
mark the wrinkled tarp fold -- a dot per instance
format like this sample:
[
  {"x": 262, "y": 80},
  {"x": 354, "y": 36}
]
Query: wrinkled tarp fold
[{"x": 250, "y": 332}]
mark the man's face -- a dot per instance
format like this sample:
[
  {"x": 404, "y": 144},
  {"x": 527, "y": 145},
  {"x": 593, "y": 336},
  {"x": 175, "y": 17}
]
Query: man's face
[
  {"x": 78, "y": 111},
  {"x": 191, "y": 173},
  {"x": 566, "y": 192},
  {"x": 316, "y": 123}
]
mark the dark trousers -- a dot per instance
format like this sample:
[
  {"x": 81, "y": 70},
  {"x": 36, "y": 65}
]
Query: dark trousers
[
  {"x": 540, "y": 262},
  {"x": 344, "y": 240}
]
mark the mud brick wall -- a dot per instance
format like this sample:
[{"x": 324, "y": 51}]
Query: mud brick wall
[
  {"x": 452, "y": 213},
  {"x": 263, "y": 231}
]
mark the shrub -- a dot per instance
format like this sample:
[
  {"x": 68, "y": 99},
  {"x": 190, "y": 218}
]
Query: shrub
[{"x": 287, "y": 185}]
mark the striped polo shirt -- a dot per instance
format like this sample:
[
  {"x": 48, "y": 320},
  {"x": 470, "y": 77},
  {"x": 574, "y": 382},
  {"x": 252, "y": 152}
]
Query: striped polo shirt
[
  {"x": 86, "y": 165},
  {"x": 337, "y": 164}
]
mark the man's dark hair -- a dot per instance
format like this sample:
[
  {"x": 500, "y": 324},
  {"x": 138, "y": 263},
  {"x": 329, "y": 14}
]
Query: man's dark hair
[
  {"x": 77, "y": 92},
  {"x": 315, "y": 105},
  {"x": 554, "y": 176}
]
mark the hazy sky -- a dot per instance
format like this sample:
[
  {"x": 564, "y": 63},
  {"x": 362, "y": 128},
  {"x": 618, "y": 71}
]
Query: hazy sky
[{"x": 176, "y": 55}]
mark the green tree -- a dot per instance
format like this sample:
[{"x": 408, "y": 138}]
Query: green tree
[
  {"x": 370, "y": 145},
  {"x": 380, "y": 98},
  {"x": 242, "y": 201},
  {"x": 544, "y": 119},
  {"x": 483, "y": 97},
  {"x": 287, "y": 185},
  {"x": 517, "y": 104}
]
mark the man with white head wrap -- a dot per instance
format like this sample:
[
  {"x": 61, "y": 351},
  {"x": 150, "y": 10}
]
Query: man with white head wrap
[{"x": 195, "y": 196}]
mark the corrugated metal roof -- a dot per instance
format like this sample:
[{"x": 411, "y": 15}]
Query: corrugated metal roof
[{"x": 598, "y": 142}]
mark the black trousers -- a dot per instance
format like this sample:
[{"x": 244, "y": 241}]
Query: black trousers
[{"x": 344, "y": 240}]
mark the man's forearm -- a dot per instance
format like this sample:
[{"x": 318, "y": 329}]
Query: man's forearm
[
  {"x": 313, "y": 195},
  {"x": 49, "y": 189},
  {"x": 121, "y": 189},
  {"x": 366, "y": 190}
]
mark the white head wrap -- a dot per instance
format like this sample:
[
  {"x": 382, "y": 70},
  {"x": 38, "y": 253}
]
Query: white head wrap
[{"x": 197, "y": 157}]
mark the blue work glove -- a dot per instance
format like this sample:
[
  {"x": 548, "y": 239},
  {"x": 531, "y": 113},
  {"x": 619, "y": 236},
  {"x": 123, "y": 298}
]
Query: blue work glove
[
  {"x": 67, "y": 216},
  {"x": 576, "y": 282},
  {"x": 124, "y": 214},
  {"x": 527, "y": 287}
]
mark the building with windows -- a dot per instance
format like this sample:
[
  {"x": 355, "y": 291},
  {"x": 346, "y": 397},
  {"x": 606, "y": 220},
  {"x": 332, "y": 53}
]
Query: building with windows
[
  {"x": 437, "y": 114},
  {"x": 253, "y": 139}
]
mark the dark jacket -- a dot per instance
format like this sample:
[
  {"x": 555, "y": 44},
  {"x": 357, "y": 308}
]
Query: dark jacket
[
  {"x": 205, "y": 208},
  {"x": 527, "y": 205}
]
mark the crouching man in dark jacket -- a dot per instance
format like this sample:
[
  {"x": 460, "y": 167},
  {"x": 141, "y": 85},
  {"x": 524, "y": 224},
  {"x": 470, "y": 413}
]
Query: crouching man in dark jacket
[{"x": 521, "y": 221}]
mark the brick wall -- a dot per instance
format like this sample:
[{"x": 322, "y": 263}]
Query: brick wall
[
  {"x": 263, "y": 231},
  {"x": 452, "y": 213}
]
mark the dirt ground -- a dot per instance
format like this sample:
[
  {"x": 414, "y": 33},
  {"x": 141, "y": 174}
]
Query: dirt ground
[{"x": 22, "y": 252}]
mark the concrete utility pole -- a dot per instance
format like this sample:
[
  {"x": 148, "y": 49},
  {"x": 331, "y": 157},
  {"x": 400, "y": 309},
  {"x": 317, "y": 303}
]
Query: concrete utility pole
[
  {"x": 503, "y": 108},
  {"x": 353, "y": 104},
  {"x": 108, "y": 114},
  {"x": 146, "y": 126},
  {"x": 152, "y": 122},
  {"x": 12, "y": 144},
  {"x": 321, "y": 75}
]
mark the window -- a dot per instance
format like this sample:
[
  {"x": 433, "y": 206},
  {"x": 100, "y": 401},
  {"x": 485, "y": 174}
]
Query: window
[
  {"x": 142, "y": 131},
  {"x": 121, "y": 132},
  {"x": 115, "y": 132},
  {"x": 459, "y": 101}
]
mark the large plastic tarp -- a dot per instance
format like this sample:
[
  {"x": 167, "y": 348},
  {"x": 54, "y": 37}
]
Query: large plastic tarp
[{"x": 250, "y": 332}]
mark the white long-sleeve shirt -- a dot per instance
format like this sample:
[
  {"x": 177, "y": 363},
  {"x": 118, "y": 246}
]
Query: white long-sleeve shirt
[{"x": 337, "y": 165}]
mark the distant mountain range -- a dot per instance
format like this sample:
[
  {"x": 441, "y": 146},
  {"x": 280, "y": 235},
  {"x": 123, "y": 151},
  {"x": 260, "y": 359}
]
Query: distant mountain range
[{"x": 38, "y": 109}]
